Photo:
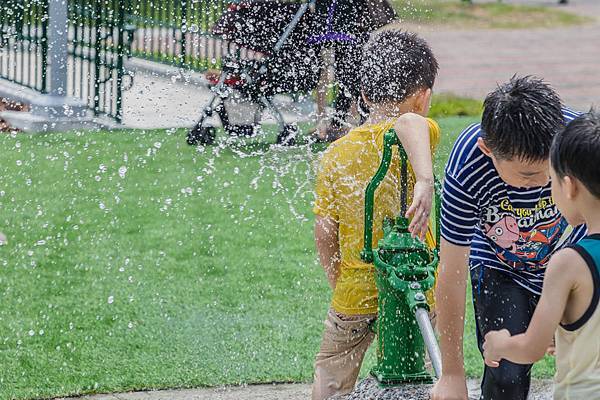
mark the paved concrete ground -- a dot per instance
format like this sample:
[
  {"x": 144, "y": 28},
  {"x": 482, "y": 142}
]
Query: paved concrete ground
[
  {"x": 473, "y": 61},
  {"x": 541, "y": 390},
  {"x": 156, "y": 101}
]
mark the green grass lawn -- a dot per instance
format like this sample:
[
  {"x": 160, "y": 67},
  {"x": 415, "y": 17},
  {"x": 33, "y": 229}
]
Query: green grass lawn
[
  {"x": 496, "y": 15},
  {"x": 135, "y": 261}
]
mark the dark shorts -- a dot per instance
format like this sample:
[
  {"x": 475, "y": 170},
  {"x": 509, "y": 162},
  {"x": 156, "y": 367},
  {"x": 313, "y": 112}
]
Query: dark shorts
[{"x": 501, "y": 303}]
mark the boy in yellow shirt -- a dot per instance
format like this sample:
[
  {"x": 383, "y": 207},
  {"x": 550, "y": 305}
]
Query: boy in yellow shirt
[{"x": 398, "y": 72}]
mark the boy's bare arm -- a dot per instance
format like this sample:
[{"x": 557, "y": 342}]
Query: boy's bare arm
[
  {"x": 328, "y": 247},
  {"x": 563, "y": 273},
  {"x": 450, "y": 296},
  {"x": 413, "y": 132}
]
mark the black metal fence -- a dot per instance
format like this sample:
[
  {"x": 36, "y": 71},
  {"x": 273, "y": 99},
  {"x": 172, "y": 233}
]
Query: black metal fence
[
  {"x": 101, "y": 34},
  {"x": 98, "y": 46},
  {"x": 177, "y": 32},
  {"x": 23, "y": 42}
]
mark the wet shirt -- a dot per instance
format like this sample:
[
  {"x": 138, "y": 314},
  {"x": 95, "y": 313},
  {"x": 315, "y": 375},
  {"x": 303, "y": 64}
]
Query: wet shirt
[
  {"x": 514, "y": 230},
  {"x": 346, "y": 168}
]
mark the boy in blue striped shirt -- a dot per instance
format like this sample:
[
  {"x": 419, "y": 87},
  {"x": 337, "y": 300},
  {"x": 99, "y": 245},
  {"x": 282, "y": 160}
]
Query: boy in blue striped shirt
[
  {"x": 568, "y": 308},
  {"x": 500, "y": 221}
]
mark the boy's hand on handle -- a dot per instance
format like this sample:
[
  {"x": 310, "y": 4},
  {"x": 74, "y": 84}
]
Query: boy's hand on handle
[
  {"x": 420, "y": 209},
  {"x": 450, "y": 387},
  {"x": 413, "y": 132},
  {"x": 492, "y": 347}
]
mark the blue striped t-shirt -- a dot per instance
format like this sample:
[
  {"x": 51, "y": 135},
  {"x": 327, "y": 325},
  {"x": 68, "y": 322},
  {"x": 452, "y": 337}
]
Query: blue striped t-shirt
[{"x": 514, "y": 230}]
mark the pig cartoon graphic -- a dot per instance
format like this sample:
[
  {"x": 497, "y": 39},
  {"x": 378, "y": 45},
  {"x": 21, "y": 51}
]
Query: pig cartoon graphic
[{"x": 505, "y": 233}]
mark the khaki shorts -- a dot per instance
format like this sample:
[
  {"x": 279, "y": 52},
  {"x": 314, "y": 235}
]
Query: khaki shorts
[{"x": 345, "y": 341}]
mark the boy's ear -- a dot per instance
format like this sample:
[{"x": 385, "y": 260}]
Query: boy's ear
[
  {"x": 424, "y": 101},
  {"x": 571, "y": 186},
  {"x": 483, "y": 147}
]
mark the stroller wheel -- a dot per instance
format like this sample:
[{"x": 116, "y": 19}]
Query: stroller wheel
[
  {"x": 203, "y": 135},
  {"x": 287, "y": 137}
]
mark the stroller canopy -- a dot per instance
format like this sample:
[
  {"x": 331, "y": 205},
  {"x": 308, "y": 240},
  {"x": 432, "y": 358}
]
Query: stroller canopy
[{"x": 258, "y": 26}]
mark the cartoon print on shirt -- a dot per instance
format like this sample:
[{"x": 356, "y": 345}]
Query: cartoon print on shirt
[
  {"x": 517, "y": 238},
  {"x": 504, "y": 233},
  {"x": 546, "y": 233},
  {"x": 535, "y": 244}
]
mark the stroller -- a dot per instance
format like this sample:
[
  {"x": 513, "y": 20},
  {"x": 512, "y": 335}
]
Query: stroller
[{"x": 246, "y": 86}]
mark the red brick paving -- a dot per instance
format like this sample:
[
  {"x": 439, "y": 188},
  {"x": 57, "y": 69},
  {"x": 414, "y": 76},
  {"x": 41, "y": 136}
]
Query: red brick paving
[{"x": 472, "y": 62}]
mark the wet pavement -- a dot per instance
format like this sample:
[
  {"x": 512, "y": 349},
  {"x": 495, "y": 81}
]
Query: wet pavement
[{"x": 541, "y": 390}]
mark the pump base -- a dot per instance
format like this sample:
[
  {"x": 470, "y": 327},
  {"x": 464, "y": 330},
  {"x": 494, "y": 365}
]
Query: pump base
[
  {"x": 370, "y": 389},
  {"x": 386, "y": 380}
]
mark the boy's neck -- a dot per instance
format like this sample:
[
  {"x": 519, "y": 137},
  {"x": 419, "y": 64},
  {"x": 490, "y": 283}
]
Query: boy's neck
[
  {"x": 591, "y": 214},
  {"x": 383, "y": 112}
]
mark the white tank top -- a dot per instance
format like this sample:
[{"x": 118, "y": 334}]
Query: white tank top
[{"x": 578, "y": 344}]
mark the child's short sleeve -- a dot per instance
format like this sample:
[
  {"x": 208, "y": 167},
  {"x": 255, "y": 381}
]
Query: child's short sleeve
[
  {"x": 325, "y": 199},
  {"x": 435, "y": 134},
  {"x": 460, "y": 214}
]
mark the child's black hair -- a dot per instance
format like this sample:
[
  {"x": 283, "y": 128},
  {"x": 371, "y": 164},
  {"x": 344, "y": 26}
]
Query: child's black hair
[
  {"x": 520, "y": 118},
  {"x": 396, "y": 65},
  {"x": 576, "y": 149}
]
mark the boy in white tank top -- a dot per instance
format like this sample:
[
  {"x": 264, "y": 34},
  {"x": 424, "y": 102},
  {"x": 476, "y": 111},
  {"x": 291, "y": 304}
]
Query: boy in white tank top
[{"x": 568, "y": 307}]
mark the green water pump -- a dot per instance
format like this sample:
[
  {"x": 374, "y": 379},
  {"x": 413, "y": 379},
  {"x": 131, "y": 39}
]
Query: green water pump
[{"x": 404, "y": 271}]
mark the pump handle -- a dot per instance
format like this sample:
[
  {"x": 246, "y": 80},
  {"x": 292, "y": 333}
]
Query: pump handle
[{"x": 389, "y": 139}]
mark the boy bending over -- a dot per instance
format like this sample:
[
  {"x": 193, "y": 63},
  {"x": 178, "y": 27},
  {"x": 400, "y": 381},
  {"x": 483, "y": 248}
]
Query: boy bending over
[{"x": 571, "y": 289}]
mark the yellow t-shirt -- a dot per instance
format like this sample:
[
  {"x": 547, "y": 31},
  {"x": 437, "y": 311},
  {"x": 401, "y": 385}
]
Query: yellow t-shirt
[{"x": 346, "y": 168}]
